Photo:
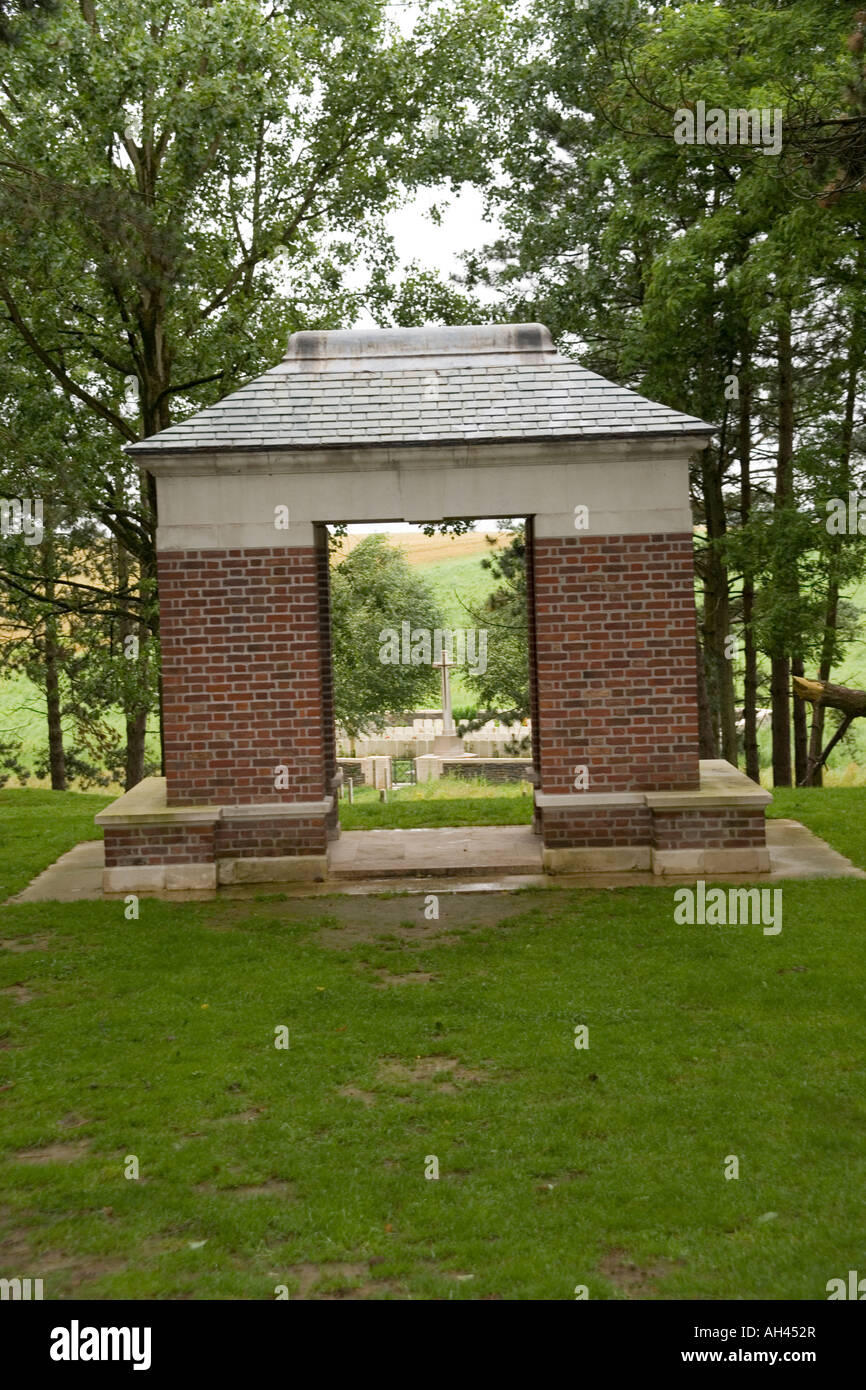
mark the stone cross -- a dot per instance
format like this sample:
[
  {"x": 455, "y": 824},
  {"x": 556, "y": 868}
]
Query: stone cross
[{"x": 447, "y": 720}]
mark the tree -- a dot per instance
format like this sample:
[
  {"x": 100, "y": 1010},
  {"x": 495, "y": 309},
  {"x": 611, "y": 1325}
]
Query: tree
[
  {"x": 182, "y": 184},
  {"x": 13, "y": 11},
  {"x": 503, "y": 688},
  {"x": 376, "y": 595},
  {"x": 712, "y": 277}
]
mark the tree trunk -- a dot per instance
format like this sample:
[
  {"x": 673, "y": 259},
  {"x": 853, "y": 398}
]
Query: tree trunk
[
  {"x": 750, "y": 651},
  {"x": 780, "y": 680},
  {"x": 801, "y": 740},
  {"x": 52, "y": 660},
  {"x": 717, "y": 611},
  {"x": 843, "y": 487},
  {"x": 134, "y": 709},
  {"x": 780, "y": 700},
  {"x": 56, "y": 753},
  {"x": 841, "y": 697},
  {"x": 707, "y": 746}
]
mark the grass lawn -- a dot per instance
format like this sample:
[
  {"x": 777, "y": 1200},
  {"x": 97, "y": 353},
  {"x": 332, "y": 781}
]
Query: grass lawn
[
  {"x": 411, "y": 1038},
  {"x": 448, "y": 801}
]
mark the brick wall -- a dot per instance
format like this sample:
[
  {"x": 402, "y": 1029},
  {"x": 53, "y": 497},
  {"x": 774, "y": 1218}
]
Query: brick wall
[
  {"x": 157, "y": 844},
  {"x": 266, "y": 838},
  {"x": 242, "y": 674},
  {"x": 615, "y": 656},
  {"x": 201, "y": 844},
  {"x": 597, "y": 828},
  {"x": 352, "y": 768},
  {"x": 722, "y": 828}
]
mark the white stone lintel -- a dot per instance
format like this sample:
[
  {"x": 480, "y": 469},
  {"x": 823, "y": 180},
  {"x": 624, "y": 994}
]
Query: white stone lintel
[
  {"x": 585, "y": 801},
  {"x": 146, "y": 804},
  {"x": 721, "y": 785},
  {"x": 277, "y": 810}
]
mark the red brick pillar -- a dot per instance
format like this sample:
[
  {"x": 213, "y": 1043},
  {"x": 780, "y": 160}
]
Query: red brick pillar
[
  {"x": 532, "y": 654},
  {"x": 614, "y": 619},
  {"x": 326, "y": 666},
  {"x": 243, "y": 694}
]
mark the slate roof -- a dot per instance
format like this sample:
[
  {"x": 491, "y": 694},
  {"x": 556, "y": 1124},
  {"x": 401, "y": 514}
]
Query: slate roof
[{"x": 421, "y": 386}]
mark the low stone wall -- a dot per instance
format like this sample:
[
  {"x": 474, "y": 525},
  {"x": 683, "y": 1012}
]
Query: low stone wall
[
  {"x": 354, "y": 768},
  {"x": 488, "y": 769}
]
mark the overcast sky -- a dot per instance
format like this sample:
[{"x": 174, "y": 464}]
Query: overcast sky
[{"x": 435, "y": 247}]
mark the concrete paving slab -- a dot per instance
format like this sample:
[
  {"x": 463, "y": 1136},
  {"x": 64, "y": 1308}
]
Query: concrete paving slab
[{"x": 473, "y": 859}]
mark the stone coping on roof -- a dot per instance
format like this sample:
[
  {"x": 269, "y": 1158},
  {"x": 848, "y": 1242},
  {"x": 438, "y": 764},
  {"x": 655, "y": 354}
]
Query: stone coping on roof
[{"x": 362, "y": 388}]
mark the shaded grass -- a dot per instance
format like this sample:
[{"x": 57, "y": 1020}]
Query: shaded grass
[
  {"x": 36, "y": 827},
  {"x": 448, "y": 801},
  {"x": 837, "y": 814}
]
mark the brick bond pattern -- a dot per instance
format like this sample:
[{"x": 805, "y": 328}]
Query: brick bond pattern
[
  {"x": 159, "y": 844},
  {"x": 266, "y": 838},
  {"x": 242, "y": 675},
  {"x": 598, "y": 828},
  {"x": 615, "y": 650},
  {"x": 722, "y": 828},
  {"x": 532, "y": 644},
  {"x": 198, "y": 844}
]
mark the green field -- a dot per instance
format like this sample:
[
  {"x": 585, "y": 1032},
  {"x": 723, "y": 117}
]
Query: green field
[
  {"x": 460, "y": 587},
  {"x": 411, "y": 1039},
  {"x": 447, "y": 801}
]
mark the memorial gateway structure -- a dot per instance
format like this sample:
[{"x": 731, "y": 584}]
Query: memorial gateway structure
[{"x": 426, "y": 424}]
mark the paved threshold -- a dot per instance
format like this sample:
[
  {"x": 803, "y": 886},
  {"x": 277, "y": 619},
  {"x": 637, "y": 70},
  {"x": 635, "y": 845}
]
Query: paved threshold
[{"x": 475, "y": 859}]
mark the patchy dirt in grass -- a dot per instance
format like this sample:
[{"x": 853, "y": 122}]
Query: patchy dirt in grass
[
  {"x": 417, "y": 977},
  {"x": 309, "y": 1278},
  {"x": 54, "y": 1153},
  {"x": 74, "y": 1270},
  {"x": 353, "y": 1093},
  {"x": 630, "y": 1278},
  {"x": 366, "y": 919},
  {"x": 428, "y": 1069},
  {"x": 27, "y": 943},
  {"x": 272, "y": 1187},
  {"x": 243, "y": 1117},
  {"x": 74, "y": 1121},
  {"x": 20, "y": 993}
]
